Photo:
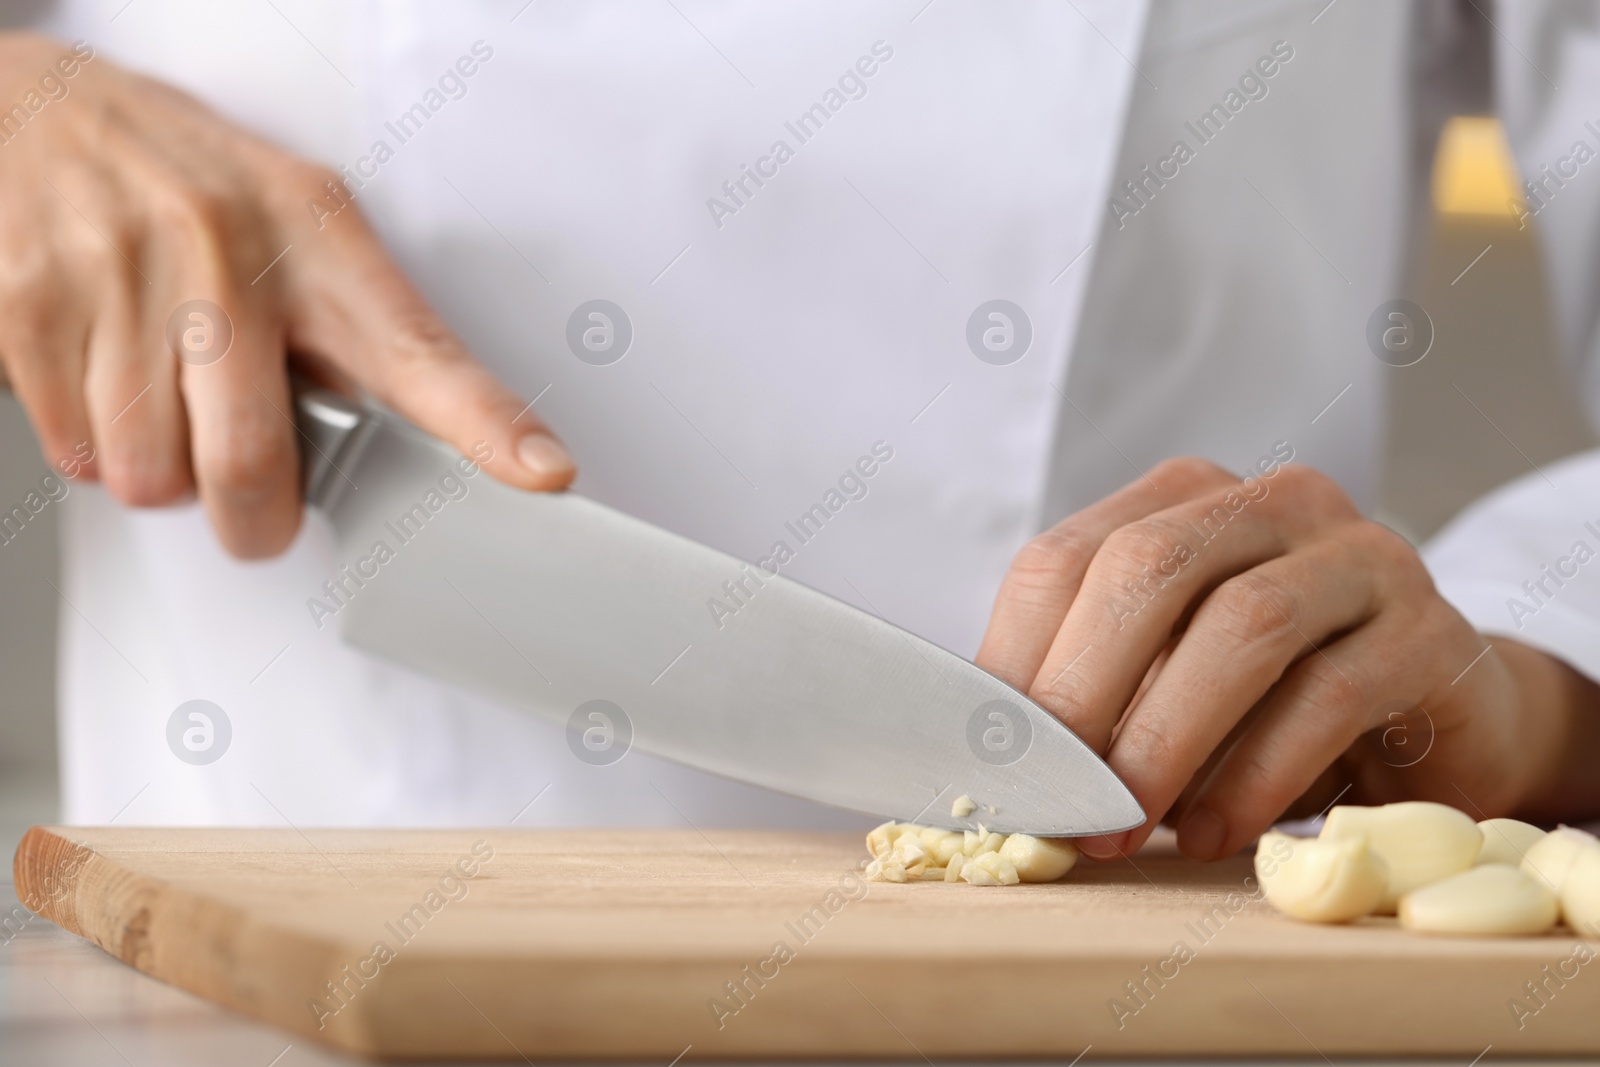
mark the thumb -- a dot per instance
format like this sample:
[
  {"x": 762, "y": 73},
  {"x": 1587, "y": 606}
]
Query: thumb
[{"x": 359, "y": 312}]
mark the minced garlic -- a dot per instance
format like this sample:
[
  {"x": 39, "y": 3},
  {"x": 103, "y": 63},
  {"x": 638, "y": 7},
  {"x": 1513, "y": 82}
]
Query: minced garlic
[{"x": 906, "y": 852}]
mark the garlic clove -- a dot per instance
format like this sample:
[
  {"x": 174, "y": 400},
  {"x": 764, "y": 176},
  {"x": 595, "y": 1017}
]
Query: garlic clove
[
  {"x": 1419, "y": 842},
  {"x": 1551, "y": 858},
  {"x": 1492, "y": 899},
  {"x": 1506, "y": 841},
  {"x": 1038, "y": 859},
  {"x": 1580, "y": 892},
  {"x": 1326, "y": 881}
]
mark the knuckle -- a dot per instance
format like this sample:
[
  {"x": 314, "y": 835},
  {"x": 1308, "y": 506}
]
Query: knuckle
[
  {"x": 1063, "y": 696},
  {"x": 1154, "y": 748},
  {"x": 1253, "y": 610},
  {"x": 1189, "y": 472},
  {"x": 311, "y": 178},
  {"x": 1143, "y": 547},
  {"x": 1046, "y": 556},
  {"x": 420, "y": 339},
  {"x": 1389, "y": 548},
  {"x": 194, "y": 209},
  {"x": 1328, "y": 692},
  {"x": 1303, "y": 485},
  {"x": 29, "y": 281}
]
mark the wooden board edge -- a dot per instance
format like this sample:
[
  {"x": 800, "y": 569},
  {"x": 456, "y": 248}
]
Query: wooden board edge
[{"x": 122, "y": 912}]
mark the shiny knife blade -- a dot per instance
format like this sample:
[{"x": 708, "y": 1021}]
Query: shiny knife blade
[{"x": 565, "y": 608}]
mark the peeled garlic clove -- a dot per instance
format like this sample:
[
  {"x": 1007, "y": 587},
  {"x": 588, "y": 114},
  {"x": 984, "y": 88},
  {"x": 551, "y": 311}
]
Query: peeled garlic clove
[
  {"x": 1551, "y": 858},
  {"x": 1318, "y": 880},
  {"x": 963, "y": 806},
  {"x": 1580, "y": 893},
  {"x": 1037, "y": 859},
  {"x": 1492, "y": 899},
  {"x": 1419, "y": 842},
  {"x": 1506, "y": 841}
]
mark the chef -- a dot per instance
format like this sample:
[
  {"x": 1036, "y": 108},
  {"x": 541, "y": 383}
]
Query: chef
[{"x": 699, "y": 259}]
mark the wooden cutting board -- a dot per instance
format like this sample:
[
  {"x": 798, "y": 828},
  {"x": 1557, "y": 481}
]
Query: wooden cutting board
[{"x": 561, "y": 944}]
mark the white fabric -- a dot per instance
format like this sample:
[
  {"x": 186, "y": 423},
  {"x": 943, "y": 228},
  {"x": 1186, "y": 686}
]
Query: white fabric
[
  {"x": 770, "y": 351},
  {"x": 1524, "y": 562}
]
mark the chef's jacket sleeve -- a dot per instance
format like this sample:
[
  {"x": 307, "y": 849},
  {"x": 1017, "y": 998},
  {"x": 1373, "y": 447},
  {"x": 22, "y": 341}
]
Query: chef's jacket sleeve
[{"x": 1524, "y": 561}]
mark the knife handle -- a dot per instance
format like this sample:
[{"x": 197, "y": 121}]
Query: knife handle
[{"x": 333, "y": 431}]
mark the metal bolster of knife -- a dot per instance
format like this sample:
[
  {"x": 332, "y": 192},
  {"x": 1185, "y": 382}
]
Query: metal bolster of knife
[{"x": 333, "y": 430}]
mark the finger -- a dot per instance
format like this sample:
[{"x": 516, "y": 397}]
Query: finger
[
  {"x": 1317, "y": 712},
  {"x": 1144, "y": 581},
  {"x": 1242, "y": 639},
  {"x": 43, "y": 333},
  {"x": 354, "y": 308},
  {"x": 1046, "y": 574},
  {"x": 226, "y": 338},
  {"x": 129, "y": 385}
]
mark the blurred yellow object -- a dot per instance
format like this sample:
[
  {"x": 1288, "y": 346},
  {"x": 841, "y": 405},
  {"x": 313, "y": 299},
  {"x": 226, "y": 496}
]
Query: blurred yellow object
[{"x": 1473, "y": 170}]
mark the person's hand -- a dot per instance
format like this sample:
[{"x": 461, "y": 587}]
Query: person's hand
[
  {"x": 1235, "y": 646},
  {"x": 121, "y": 200}
]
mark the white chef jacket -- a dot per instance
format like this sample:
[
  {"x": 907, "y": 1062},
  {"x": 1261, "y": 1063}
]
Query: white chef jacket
[
  {"x": 773, "y": 344},
  {"x": 781, "y": 330}
]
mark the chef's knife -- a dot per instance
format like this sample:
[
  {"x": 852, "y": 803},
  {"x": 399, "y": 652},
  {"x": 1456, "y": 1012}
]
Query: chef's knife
[{"x": 560, "y": 606}]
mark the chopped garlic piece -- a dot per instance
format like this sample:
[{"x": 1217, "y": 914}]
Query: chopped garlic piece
[
  {"x": 976, "y": 844},
  {"x": 963, "y": 806},
  {"x": 881, "y": 838},
  {"x": 905, "y": 852},
  {"x": 991, "y": 868}
]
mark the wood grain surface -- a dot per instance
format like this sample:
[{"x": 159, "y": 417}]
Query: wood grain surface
[{"x": 540, "y": 945}]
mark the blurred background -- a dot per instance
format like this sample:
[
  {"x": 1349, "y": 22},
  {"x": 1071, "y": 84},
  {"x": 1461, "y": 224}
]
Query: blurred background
[{"x": 1479, "y": 277}]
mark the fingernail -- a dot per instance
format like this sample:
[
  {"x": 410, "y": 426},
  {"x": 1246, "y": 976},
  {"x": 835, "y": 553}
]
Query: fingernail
[
  {"x": 544, "y": 456},
  {"x": 1201, "y": 834},
  {"x": 1103, "y": 848}
]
